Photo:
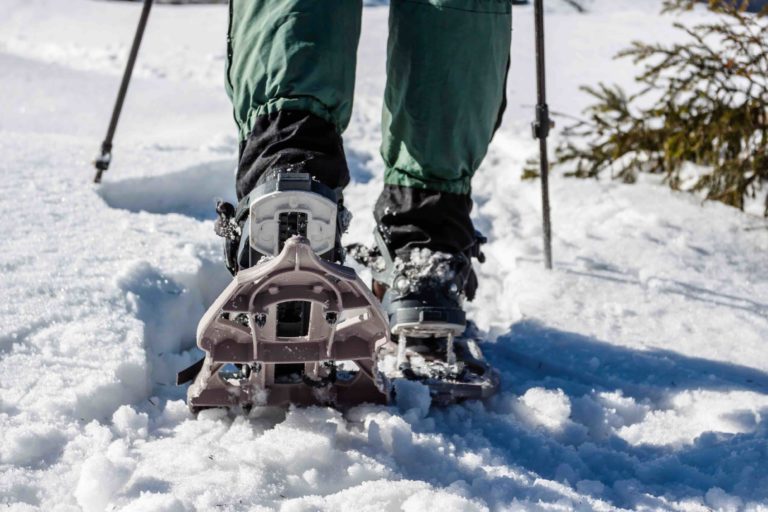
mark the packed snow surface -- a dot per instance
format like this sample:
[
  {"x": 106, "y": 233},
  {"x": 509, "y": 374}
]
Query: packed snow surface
[{"x": 634, "y": 376}]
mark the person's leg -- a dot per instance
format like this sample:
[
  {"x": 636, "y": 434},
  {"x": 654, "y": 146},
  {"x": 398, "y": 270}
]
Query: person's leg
[
  {"x": 447, "y": 63},
  {"x": 290, "y": 75}
]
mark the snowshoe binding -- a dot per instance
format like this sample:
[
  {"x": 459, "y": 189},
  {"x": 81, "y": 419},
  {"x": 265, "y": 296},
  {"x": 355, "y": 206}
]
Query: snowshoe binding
[
  {"x": 423, "y": 296},
  {"x": 294, "y": 326}
]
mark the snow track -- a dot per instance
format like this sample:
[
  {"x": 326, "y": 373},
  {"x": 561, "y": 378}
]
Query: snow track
[{"x": 633, "y": 377}]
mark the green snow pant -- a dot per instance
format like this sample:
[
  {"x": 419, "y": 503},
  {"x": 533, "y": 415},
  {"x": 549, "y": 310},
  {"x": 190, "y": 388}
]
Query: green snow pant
[{"x": 446, "y": 69}]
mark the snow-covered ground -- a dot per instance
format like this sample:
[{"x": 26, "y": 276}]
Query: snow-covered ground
[{"x": 633, "y": 376}]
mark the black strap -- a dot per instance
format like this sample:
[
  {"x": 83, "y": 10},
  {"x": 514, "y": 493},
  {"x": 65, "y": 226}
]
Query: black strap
[{"x": 476, "y": 250}]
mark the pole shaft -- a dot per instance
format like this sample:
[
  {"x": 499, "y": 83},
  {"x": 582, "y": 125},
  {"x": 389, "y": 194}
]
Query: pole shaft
[
  {"x": 542, "y": 127},
  {"x": 541, "y": 78},
  {"x": 102, "y": 163}
]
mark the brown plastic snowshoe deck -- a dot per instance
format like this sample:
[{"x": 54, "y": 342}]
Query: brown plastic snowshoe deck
[{"x": 343, "y": 322}]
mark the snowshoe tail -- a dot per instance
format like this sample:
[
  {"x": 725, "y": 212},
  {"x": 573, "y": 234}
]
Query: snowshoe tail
[{"x": 252, "y": 358}]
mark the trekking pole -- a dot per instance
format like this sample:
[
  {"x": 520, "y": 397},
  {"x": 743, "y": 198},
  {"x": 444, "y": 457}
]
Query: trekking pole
[
  {"x": 105, "y": 157},
  {"x": 541, "y": 127}
]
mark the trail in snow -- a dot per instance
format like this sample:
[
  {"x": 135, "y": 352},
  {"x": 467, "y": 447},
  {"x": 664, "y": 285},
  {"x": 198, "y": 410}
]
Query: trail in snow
[{"x": 634, "y": 376}]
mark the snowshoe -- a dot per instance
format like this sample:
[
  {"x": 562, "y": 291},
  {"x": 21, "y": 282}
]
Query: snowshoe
[
  {"x": 423, "y": 296},
  {"x": 294, "y": 326}
]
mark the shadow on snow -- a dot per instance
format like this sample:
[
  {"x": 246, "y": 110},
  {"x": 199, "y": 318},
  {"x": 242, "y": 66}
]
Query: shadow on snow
[{"x": 586, "y": 452}]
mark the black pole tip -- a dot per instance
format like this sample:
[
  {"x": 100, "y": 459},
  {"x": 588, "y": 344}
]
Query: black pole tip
[{"x": 101, "y": 163}]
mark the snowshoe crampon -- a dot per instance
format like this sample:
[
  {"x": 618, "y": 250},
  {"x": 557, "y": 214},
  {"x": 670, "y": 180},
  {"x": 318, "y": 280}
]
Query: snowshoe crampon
[
  {"x": 449, "y": 362},
  {"x": 292, "y": 330}
]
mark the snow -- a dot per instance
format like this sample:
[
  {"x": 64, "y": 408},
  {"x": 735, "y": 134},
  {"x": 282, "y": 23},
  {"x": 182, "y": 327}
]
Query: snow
[
  {"x": 548, "y": 408},
  {"x": 634, "y": 376}
]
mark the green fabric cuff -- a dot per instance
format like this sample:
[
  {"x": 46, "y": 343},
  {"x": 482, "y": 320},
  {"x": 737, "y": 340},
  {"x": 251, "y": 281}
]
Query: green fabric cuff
[
  {"x": 402, "y": 179},
  {"x": 292, "y": 55}
]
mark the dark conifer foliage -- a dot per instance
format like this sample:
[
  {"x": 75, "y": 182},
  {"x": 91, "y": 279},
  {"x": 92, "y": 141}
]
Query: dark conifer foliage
[{"x": 703, "y": 101}]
